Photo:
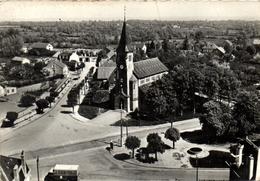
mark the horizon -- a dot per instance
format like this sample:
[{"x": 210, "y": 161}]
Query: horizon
[{"x": 35, "y": 11}]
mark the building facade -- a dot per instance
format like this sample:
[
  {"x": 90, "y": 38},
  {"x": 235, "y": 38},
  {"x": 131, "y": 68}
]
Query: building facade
[{"x": 131, "y": 76}]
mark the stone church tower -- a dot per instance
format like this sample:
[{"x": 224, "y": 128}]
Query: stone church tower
[{"x": 124, "y": 72}]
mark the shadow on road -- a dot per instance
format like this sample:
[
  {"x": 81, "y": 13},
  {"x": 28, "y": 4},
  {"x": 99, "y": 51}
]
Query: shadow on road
[
  {"x": 122, "y": 156},
  {"x": 66, "y": 112},
  {"x": 65, "y": 105}
]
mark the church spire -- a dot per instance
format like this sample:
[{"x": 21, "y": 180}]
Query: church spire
[{"x": 122, "y": 46}]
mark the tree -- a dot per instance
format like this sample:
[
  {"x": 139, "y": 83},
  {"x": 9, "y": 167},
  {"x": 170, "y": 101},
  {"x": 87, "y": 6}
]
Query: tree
[
  {"x": 186, "y": 44},
  {"x": 11, "y": 117},
  {"x": 54, "y": 94},
  {"x": 246, "y": 112},
  {"x": 72, "y": 99},
  {"x": 216, "y": 121},
  {"x": 132, "y": 142},
  {"x": 172, "y": 134},
  {"x": 42, "y": 104},
  {"x": 155, "y": 144},
  {"x": 228, "y": 84},
  {"x": 156, "y": 101},
  {"x": 27, "y": 100},
  {"x": 50, "y": 99},
  {"x": 199, "y": 35},
  {"x": 11, "y": 45},
  {"x": 196, "y": 80},
  {"x": 165, "y": 45}
]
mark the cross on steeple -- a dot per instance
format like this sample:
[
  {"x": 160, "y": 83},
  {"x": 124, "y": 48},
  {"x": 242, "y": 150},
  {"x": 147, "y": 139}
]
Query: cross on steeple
[{"x": 124, "y": 14}]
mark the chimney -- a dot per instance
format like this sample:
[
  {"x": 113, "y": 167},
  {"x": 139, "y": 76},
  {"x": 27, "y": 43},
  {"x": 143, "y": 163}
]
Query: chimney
[{"x": 23, "y": 164}]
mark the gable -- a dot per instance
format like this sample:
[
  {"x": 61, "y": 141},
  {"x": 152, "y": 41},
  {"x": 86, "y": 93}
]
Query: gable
[{"x": 148, "y": 67}]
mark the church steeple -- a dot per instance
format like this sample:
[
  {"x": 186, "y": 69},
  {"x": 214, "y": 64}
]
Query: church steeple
[{"x": 122, "y": 46}]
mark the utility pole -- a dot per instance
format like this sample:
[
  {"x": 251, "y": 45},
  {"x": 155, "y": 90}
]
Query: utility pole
[
  {"x": 121, "y": 125},
  {"x": 197, "y": 169},
  {"x": 37, "y": 163}
]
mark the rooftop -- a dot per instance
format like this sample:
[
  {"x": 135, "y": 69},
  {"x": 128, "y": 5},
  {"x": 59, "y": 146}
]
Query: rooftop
[
  {"x": 148, "y": 67},
  {"x": 103, "y": 73},
  {"x": 65, "y": 167},
  {"x": 39, "y": 45}
]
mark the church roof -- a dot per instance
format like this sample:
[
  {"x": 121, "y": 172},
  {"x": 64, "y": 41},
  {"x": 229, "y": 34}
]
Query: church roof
[
  {"x": 123, "y": 40},
  {"x": 103, "y": 73},
  {"x": 148, "y": 67}
]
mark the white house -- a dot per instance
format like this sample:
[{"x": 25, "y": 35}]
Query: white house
[
  {"x": 21, "y": 60},
  {"x": 74, "y": 57},
  {"x": 5, "y": 90},
  {"x": 39, "y": 45}
]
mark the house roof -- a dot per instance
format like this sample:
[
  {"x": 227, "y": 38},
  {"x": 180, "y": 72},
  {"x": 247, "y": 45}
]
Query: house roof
[
  {"x": 39, "y": 45},
  {"x": 256, "y": 41},
  {"x": 19, "y": 59},
  {"x": 107, "y": 63},
  {"x": 148, "y": 67},
  {"x": 66, "y": 167},
  {"x": 103, "y": 73},
  {"x": 56, "y": 55},
  {"x": 57, "y": 63},
  {"x": 8, "y": 163},
  {"x": 221, "y": 49}
]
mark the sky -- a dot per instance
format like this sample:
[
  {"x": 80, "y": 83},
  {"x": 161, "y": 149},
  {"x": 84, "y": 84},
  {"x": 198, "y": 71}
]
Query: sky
[{"x": 78, "y": 10}]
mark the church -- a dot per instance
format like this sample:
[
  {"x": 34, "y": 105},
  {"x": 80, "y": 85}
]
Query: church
[{"x": 131, "y": 78}]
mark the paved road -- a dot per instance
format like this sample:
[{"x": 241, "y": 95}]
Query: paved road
[
  {"x": 98, "y": 164},
  {"x": 58, "y": 138}
]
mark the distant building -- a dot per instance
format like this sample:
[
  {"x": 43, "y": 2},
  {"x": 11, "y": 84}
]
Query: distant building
[
  {"x": 63, "y": 173},
  {"x": 24, "y": 49},
  {"x": 74, "y": 57},
  {"x": 256, "y": 42},
  {"x": 56, "y": 68},
  {"x": 14, "y": 169},
  {"x": 64, "y": 56},
  {"x": 5, "y": 90},
  {"x": 219, "y": 51},
  {"x": 246, "y": 164},
  {"x": 20, "y": 60},
  {"x": 209, "y": 47},
  {"x": 42, "y": 46}
]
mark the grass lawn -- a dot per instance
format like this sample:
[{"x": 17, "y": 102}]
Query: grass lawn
[{"x": 37, "y": 93}]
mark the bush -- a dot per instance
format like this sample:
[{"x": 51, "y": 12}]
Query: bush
[
  {"x": 42, "y": 104},
  {"x": 27, "y": 100}
]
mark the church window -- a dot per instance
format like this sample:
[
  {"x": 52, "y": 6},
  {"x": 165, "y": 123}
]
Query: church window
[
  {"x": 147, "y": 79},
  {"x": 142, "y": 81},
  {"x": 153, "y": 78}
]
